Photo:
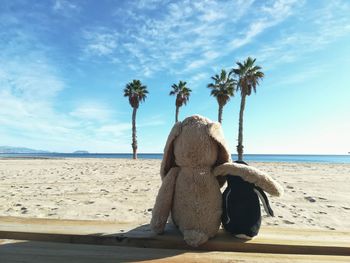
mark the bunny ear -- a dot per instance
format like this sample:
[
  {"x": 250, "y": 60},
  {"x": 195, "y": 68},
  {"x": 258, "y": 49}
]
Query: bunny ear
[
  {"x": 215, "y": 131},
  {"x": 168, "y": 157},
  {"x": 251, "y": 175},
  {"x": 224, "y": 156}
]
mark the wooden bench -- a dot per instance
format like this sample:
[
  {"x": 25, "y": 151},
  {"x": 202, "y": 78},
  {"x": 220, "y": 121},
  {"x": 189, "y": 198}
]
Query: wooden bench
[{"x": 49, "y": 240}]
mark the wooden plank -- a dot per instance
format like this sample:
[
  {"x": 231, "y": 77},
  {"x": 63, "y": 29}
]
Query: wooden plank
[
  {"x": 270, "y": 239},
  {"x": 36, "y": 252}
]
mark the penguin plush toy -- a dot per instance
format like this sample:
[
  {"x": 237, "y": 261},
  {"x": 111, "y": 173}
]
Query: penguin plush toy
[{"x": 241, "y": 207}]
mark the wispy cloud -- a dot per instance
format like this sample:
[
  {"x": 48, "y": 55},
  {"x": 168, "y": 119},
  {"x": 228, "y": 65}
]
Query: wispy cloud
[
  {"x": 186, "y": 36},
  {"x": 196, "y": 79},
  {"x": 100, "y": 41},
  {"x": 316, "y": 30},
  {"x": 92, "y": 111},
  {"x": 155, "y": 120},
  {"x": 254, "y": 29},
  {"x": 182, "y": 30},
  {"x": 64, "y": 6},
  {"x": 271, "y": 15},
  {"x": 164, "y": 41},
  {"x": 30, "y": 88},
  {"x": 149, "y": 4},
  {"x": 114, "y": 130}
]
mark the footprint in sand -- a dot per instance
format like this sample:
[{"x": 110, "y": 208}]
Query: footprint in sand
[
  {"x": 288, "y": 222},
  {"x": 330, "y": 206},
  {"x": 310, "y": 199},
  {"x": 346, "y": 208},
  {"x": 320, "y": 213}
]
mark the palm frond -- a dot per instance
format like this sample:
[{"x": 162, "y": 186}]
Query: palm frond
[
  {"x": 222, "y": 87},
  {"x": 136, "y": 92},
  {"x": 248, "y": 75}
]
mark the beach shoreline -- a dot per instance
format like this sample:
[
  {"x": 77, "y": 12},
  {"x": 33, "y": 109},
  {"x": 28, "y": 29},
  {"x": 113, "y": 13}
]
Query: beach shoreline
[{"x": 124, "y": 190}]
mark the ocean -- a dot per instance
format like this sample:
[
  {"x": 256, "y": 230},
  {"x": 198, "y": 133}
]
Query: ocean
[{"x": 291, "y": 158}]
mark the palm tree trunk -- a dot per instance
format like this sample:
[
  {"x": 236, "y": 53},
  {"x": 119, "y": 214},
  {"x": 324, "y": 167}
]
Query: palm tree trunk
[
  {"x": 177, "y": 114},
  {"x": 220, "y": 113},
  {"x": 134, "y": 140},
  {"x": 240, "y": 129}
]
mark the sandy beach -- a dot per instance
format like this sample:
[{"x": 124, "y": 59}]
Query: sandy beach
[{"x": 316, "y": 195}]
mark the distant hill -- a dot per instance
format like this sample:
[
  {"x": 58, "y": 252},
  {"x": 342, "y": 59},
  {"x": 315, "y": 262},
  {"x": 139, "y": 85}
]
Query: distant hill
[
  {"x": 81, "y": 152},
  {"x": 10, "y": 149}
]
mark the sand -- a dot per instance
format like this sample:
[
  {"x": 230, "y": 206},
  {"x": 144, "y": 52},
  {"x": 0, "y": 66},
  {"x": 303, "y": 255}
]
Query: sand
[{"x": 316, "y": 195}]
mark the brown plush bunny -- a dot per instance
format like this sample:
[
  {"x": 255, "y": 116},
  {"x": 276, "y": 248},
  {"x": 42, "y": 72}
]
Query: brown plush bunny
[{"x": 190, "y": 190}]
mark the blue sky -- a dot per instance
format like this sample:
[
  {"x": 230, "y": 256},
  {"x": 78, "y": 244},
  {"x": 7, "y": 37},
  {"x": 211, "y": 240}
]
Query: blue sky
[{"x": 64, "y": 64}]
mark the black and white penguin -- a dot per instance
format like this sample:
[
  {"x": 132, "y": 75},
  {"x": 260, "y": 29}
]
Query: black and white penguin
[{"x": 241, "y": 207}]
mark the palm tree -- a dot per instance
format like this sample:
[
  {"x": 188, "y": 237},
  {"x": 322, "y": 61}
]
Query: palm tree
[
  {"x": 182, "y": 96},
  {"x": 222, "y": 90},
  {"x": 248, "y": 76},
  {"x": 136, "y": 93}
]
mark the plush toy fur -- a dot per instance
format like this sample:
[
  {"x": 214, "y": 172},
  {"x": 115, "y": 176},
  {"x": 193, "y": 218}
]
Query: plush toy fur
[{"x": 190, "y": 189}]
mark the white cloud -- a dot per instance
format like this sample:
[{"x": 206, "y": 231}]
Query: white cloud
[
  {"x": 182, "y": 30},
  {"x": 197, "y": 78},
  {"x": 212, "y": 16},
  {"x": 30, "y": 85},
  {"x": 64, "y": 5},
  {"x": 323, "y": 28},
  {"x": 92, "y": 111},
  {"x": 271, "y": 16},
  {"x": 149, "y": 4},
  {"x": 196, "y": 64},
  {"x": 254, "y": 29},
  {"x": 154, "y": 120},
  {"x": 189, "y": 35},
  {"x": 114, "y": 130},
  {"x": 281, "y": 8},
  {"x": 100, "y": 41},
  {"x": 28, "y": 96}
]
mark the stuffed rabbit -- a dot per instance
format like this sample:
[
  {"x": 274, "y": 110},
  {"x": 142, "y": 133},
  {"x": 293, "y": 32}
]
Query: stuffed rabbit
[{"x": 190, "y": 190}]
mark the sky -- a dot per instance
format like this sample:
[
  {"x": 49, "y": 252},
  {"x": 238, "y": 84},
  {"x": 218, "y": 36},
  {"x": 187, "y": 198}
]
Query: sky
[{"x": 64, "y": 65}]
